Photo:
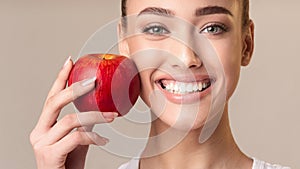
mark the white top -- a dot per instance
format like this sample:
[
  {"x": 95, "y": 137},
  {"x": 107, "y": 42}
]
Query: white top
[{"x": 257, "y": 164}]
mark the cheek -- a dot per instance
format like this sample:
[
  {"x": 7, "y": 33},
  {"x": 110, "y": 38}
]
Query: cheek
[
  {"x": 232, "y": 74},
  {"x": 138, "y": 43},
  {"x": 146, "y": 87},
  {"x": 230, "y": 56}
]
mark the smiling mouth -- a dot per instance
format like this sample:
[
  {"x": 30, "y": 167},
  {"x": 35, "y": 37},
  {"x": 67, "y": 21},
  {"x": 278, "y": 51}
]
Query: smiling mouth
[{"x": 176, "y": 87}]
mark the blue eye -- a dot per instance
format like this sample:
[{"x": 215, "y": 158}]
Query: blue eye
[
  {"x": 156, "y": 30},
  {"x": 214, "y": 29}
]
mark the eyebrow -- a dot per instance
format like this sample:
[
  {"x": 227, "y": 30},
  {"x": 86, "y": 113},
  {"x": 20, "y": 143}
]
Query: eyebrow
[
  {"x": 157, "y": 11},
  {"x": 210, "y": 10}
]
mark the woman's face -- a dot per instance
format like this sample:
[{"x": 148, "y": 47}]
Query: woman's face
[{"x": 166, "y": 37}]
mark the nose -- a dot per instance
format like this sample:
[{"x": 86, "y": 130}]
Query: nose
[{"x": 186, "y": 57}]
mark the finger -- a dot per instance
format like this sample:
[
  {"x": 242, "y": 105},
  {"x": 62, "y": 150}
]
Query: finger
[
  {"x": 86, "y": 128},
  {"x": 77, "y": 138},
  {"x": 71, "y": 121},
  {"x": 55, "y": 103},
  {"x": 61, "y": 80}
]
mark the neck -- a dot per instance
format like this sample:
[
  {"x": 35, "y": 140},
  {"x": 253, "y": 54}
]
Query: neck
[{"x": 219, "y": 151}]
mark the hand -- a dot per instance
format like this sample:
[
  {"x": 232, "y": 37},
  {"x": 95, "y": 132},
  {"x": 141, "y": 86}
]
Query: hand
[{"x": 56, "y": 144}]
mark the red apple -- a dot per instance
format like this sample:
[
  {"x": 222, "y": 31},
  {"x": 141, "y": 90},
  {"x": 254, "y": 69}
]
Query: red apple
[{"x": 117, "y": 85}]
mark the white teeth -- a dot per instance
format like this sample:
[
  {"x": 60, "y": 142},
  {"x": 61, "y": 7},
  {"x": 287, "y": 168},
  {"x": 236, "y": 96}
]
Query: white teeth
[
  {"x": 195, "y": 87},
  {"x": 171, "y": 86},
  {"x": 183, "y": 88},
  {"x": 204, "y": 85},
  {"x": 189, "y": 88},
  {"x": 168, "y": 87},
  {"x": 175, "y": 88},
  {"x": 200, "y": 86}
]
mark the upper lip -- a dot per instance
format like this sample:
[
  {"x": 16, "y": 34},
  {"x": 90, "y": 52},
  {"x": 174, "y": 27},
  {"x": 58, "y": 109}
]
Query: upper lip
[{"x": 186, "y": 78}]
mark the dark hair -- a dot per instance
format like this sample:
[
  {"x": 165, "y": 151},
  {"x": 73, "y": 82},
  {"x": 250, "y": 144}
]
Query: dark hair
[{"x": 245, "y": 16}]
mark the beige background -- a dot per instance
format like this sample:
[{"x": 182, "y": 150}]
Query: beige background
[{"x": 36, "y": 36}]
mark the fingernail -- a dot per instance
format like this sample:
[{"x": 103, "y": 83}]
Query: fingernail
[
  {"x": 116, "y": 115},
  {"x": 67, "y": 61},
  {"x": 89, "y": 81},
  {"x": 110, "y": 115},
  {"x": 101, "y": 141},
  {"x": 105, "y": 140}
]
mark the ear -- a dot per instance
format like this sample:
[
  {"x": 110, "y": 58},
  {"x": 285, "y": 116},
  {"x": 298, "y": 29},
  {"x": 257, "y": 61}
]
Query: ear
[
  {"x": 122, "y": 44},
  {"x": 248, "y": 44}
]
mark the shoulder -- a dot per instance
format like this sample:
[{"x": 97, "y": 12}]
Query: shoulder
[
  {"x": 258, "y": 164},
  {"x": 132, "y": 164},
  {"x": 124, "y": 166}
]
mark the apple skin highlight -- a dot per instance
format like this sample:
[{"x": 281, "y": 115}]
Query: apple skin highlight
[{"x": 117, "y": 84}]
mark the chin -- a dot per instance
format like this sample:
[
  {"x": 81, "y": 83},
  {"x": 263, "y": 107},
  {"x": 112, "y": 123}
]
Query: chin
[{"x": 183, "y": 117}]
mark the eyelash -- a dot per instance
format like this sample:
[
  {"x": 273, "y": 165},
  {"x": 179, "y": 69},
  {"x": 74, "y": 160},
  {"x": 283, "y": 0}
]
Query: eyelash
[
  {"x": 221, "y": 28},
  {"x": 150, "y": 29},
  {"x": 218, "y": 29}
]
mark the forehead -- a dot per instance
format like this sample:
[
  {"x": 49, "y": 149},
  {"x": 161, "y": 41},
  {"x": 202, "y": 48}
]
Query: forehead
[{"x": 183, "y": 8}]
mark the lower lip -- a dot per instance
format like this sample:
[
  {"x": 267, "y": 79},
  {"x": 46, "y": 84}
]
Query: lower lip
[{"x": 188, "y": 98}]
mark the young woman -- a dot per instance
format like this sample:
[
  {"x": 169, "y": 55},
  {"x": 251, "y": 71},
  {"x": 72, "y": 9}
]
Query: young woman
[{"x": 184, "y": 81}]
